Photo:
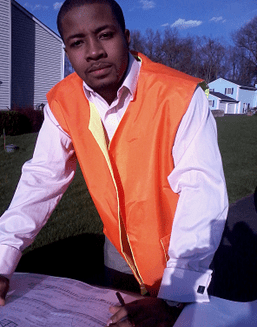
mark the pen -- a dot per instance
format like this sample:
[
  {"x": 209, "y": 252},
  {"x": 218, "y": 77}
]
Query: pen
[
  {"x": 120, "y": 298},
  {"x": 127, "y": 317}
]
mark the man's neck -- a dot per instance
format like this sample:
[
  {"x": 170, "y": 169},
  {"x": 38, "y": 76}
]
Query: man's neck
[{"x": 110, "y": 93}]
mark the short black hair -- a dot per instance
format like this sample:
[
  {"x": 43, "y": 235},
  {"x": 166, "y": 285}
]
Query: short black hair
[{"x": 70, "y": 4}]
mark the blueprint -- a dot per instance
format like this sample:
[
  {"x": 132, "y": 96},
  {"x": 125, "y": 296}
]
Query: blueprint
[{"x": 36, "y": 300}]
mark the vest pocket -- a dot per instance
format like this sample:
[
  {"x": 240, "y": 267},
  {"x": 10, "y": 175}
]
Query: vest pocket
[{"x": 165, "y": 242}]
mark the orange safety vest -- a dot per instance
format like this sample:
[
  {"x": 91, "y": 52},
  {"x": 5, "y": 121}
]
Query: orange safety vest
[{"x": 127, "y": 178}]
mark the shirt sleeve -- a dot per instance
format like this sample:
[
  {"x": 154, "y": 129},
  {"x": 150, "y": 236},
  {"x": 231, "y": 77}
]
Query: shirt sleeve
[
  {"x": 44, "y": 180},
  {"x": 202, "y": 207}
]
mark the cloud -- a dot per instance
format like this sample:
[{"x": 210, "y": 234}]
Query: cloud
[
  {"x": 147, "y": 4},
  {"x": 183, "y": 24},
  {"x": 35, "y": 7},
  {"x": 218, "y": 19},
  {"x": 57, "y": 5},
  {"x": 133, "y": 8},
  {"x": 164, "y": 25}
]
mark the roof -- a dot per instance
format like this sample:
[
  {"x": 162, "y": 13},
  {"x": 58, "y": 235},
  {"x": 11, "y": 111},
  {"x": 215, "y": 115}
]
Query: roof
[
  {"x": 247, "y": 88},
  {"x": 240, "y": 84},
  {"x": 223, "y": 97}
]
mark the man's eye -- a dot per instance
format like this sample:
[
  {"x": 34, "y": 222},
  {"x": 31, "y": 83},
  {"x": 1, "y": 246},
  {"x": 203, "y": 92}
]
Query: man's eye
[
  {"x": 106, "y": 35},
  {"x": 76, "y": 43}
]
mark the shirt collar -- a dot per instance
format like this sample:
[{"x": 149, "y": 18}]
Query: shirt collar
[{"x": 129, "y": 83}]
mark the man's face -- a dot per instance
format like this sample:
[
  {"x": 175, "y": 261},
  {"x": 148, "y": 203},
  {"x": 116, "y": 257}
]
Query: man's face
[{"x": 96, "y": 47}]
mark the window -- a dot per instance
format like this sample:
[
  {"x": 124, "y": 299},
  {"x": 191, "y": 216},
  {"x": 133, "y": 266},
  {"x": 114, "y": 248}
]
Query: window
[
  {"x": 246, "y": 106},
  {"x": 211, "y": 103},
  {"x": 229, "y": 91}
]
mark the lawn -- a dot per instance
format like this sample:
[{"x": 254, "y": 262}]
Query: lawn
[
  {"x": 76, "y": 214},
  {"x": 237, "y": 137}
]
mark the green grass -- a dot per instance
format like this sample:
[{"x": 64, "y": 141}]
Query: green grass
[
  {"x": 237, "y": 137},
  {"x": 76, "y": 214}
]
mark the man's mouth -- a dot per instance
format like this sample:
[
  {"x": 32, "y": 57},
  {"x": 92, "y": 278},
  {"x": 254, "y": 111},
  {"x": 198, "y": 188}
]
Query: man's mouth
[{"x": 99, "y": 69}]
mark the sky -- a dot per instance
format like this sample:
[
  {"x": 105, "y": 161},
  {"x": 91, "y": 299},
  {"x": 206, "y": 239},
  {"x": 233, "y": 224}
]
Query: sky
[{"x": 211, "y": 18}]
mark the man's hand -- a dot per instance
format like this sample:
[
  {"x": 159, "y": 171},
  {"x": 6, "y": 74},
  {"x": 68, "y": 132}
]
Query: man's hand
[
  {"x": 4, "y": 287},
  {"x": 147, "y": 312}
]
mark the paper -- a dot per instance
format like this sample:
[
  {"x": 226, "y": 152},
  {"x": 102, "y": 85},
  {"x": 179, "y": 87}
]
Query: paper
[
  {"x": 45, "y": 301},
  {"x": 219, "y": 313},
  {"x": 39, "y": 300}
]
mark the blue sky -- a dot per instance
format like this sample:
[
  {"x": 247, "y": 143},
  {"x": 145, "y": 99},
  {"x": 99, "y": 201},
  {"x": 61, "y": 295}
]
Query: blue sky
[{"x": 212, "y": 18}]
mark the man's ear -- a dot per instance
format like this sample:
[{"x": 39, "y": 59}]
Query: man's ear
[
  {"x": 127, "y": 37},
  {"x": 66, "y": 53}
]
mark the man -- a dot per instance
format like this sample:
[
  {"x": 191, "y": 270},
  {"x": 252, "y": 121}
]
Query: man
[{"x": 147, "y": 147}]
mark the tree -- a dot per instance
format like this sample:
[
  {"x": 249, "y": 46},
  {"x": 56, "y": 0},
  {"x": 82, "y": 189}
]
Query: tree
[
  {"x": 137, "y": 41},
  {"x": 211, "y": 54},
  {"x": 171, "y": 48},
  {"x": 245, "y": 40},
  {"x": 187, "y": 56},
  {"x": 239, "y": 68},
  {"x": 179, "y": 53},
  {"x": 153, "y": 45}
]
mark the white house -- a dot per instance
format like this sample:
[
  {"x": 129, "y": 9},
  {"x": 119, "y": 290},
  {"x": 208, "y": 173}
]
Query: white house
[
  {"x": 219, "y": 101},
  {"x": 32, "y": 57},
  {"x": 232, "y": 97}
]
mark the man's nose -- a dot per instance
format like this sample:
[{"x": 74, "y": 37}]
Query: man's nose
[{"x": 95, "y": 50}]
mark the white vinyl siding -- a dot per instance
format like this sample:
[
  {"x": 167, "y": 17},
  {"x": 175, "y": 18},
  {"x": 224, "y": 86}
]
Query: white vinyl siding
[
  {"x": 37, "y": 59},
  {"x": 23, "y": 59},
  {"x": 48, "y": 62},
  {"x": 31, "y": 58},
  {"x": 5, "y": 54}
]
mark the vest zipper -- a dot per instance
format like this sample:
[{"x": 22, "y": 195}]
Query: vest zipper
[
  {"x": 124, "y": 242},
  {"x": 143, "y": 290},
  {"x": 100, "y": 135}
]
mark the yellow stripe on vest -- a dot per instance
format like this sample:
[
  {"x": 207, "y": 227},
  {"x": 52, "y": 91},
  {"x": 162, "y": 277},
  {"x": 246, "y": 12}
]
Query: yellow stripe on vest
[{"x": 96, "y": 128}]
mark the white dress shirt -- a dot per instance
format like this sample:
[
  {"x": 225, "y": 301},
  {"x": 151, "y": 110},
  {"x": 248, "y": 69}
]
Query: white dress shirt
[{"x": 197, "y": 177}]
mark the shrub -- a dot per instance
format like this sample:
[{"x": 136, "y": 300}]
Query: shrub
[
  {"x": 35, "y": 117},
  {"x": 20, "y": 121},
  {"x": 14, "y": 123}
]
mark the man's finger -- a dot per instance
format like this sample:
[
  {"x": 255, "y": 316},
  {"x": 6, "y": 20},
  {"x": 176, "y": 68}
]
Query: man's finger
[
  {"x": 4, "y": 286},
  {"x": 124, "y": 322},
  {"x": 120, "y": 316},
  {"x": 2, "y": 301},
  {"x": 114, "y": 309}
]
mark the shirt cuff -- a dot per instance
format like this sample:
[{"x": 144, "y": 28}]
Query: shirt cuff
[
  {"x": 9, "y": 258},
  {"x": 184, "y": 286}
]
